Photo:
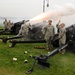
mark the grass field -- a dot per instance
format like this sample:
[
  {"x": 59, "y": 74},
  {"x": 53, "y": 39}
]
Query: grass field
[{"x": 60, "y": 64}]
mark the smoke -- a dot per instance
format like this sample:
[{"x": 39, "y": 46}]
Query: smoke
[{"x": 59, "y": 11}]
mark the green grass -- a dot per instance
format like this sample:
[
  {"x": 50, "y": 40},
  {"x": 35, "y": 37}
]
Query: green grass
[
  {"x": 60, "y": 64},
  {"x": 1, "y": 27}
]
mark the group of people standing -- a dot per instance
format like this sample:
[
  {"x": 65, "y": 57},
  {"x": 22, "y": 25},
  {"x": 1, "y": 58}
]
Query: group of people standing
[
  {"x": 7, "y": 24},
  {"x": 49, "y": 32}
]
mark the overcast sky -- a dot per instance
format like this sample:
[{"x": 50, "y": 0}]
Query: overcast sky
[{"x": 29, "y": 8}]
